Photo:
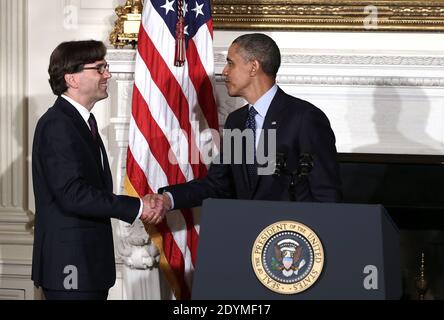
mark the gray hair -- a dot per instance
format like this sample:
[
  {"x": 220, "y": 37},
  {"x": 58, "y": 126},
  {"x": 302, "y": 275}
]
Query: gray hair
[{"x": 260, "y": 47}]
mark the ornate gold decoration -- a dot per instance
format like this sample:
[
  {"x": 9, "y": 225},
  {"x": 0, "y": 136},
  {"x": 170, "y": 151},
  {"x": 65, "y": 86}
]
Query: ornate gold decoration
[
  {"x": 329, "y": 15},
  {"x": 421, "y": 282},
  {"x": 287, "y": 257},
  {"x": 126, "y": 28}
]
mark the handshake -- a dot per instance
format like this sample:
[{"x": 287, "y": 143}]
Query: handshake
[{"x": 155, "y": 207}]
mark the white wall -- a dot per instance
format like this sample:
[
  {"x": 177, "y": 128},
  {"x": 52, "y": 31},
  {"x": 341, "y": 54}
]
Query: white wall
[{"x": 357, "y": 106}]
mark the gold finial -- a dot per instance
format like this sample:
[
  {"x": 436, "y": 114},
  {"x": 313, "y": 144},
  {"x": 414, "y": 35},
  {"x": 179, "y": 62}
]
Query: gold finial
[
  {"x": 126, "y": 28},
  {"x": 421, "y": 282}
]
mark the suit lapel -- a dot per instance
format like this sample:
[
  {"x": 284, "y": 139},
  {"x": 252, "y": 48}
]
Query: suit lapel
[
  {"x": 273, "y": 118},
  {"x": 84, "y": 130},
  {"x": 106, "y": 173},
  {"x": 240, "y": 123}
]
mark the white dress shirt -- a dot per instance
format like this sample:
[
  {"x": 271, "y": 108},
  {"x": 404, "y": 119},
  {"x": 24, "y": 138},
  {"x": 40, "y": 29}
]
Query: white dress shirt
[{"x": 262, "y": 105}]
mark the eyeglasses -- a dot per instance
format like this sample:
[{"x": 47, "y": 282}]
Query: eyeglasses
[{"x": 101, "y": 68}]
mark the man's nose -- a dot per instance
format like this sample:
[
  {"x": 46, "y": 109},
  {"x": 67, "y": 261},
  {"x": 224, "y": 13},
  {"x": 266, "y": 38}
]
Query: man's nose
[
  {"x": 225, "y": 71},
  {"x": 107, "y": 74}
]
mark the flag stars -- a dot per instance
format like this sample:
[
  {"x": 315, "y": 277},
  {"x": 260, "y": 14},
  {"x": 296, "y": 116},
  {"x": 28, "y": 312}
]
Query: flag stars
[
  {"x": 185, "y": 8},
  {"x": 185, "y": 30},
  {"x": 168, "y": 6},
  {"x": 198, "y": 9}
]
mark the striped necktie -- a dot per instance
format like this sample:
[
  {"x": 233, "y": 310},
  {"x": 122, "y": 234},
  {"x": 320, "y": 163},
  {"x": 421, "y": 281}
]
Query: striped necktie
[
  {"x": 93, "y": 125},
  {"x": 251, "y": 124}
]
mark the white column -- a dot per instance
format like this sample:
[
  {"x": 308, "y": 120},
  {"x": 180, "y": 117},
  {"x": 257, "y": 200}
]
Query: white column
[
  {"x": 140, "y": 272},
  {"x": 14, "y": 216}
]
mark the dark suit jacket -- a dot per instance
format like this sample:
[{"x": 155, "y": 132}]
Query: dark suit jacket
[
  {"x": 74, "y": 203},
  {"x": 300, "y": 128}
]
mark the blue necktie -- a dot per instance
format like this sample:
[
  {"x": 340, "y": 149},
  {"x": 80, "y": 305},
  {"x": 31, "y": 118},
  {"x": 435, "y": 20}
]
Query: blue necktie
[{"x": 251, "y": 124}]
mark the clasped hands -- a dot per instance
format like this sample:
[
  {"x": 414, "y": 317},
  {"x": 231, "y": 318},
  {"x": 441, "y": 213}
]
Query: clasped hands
[{"x": 155, "y": 207}]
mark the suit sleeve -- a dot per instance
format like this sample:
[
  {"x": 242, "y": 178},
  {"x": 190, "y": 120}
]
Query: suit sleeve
[
  {"x": 63, "y": 162},
  {"x": 218, "y": 183},
  {"x": 318, "y": 139}
]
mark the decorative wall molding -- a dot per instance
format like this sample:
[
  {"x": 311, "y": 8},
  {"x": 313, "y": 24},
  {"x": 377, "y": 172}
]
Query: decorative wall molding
[
  {"x": 386, "y": 60},
  {"x": 129, "y": 77},
  {"x": 15, "y": 267},
  {"x": 15, "y": 280},
  {"x": 353, "y": 59},
  {"x": 12, "y": 294},
  {"x": 16, "y": 228},
  {"x": 354, "y": 81},
  {"x": 127, "y": 56},
  {"x": 376, "y": 15}
]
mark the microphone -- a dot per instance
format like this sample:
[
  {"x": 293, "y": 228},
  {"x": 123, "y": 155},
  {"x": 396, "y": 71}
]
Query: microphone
[
  {"x": 303, "y": 169},
  {"x": 281, "y": 162},
  {"x": 305, "y": 165}
]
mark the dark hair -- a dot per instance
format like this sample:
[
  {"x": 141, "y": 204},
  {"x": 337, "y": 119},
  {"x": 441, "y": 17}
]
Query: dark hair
[
  {"x": 262, "y": 48},
  {"x": 70, "y": 57}
]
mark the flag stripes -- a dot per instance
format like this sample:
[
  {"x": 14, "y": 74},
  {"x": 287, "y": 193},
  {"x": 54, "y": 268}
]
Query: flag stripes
[{"x": 172, "y": 106}]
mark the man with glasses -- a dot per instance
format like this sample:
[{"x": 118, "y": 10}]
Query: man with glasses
[{"x": 73, "y": 256}]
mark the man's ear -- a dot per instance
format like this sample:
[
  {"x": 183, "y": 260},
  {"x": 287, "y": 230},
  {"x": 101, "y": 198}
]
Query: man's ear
[
  {"x": 71, "y": 80},
  {"x": 254, "y": 67}
]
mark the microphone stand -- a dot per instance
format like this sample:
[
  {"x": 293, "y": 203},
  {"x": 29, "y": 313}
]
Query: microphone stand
[
  {"x": 292, "y": 187},
  {"x": 296, "y": 176}
]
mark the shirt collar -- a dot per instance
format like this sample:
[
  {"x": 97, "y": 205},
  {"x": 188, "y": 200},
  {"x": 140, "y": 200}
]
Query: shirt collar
[
  {"x": 81, "y": 109},
  {"x": 263, "y": 103}
]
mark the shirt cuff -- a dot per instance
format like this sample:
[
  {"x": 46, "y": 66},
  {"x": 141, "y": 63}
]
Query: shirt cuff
[
  {"x": 171, "y": 199},
  {"x": 140, "y": 211}
]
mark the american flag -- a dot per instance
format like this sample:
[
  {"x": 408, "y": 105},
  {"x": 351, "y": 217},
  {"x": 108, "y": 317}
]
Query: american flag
[{"x": 171, "y": 106}]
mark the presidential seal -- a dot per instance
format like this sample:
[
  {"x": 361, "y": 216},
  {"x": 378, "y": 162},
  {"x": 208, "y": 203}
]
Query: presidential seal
[{"x": 287, "y": 257}]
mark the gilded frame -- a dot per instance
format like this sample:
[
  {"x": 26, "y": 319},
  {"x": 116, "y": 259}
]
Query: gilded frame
[{"x": 333, "y": 15}]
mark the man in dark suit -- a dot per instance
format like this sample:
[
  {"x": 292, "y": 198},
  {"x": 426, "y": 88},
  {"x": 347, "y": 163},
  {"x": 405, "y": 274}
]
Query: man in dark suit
[
  {"x": 252, "y": 64},
  {"x": 73, "y": 256}
]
